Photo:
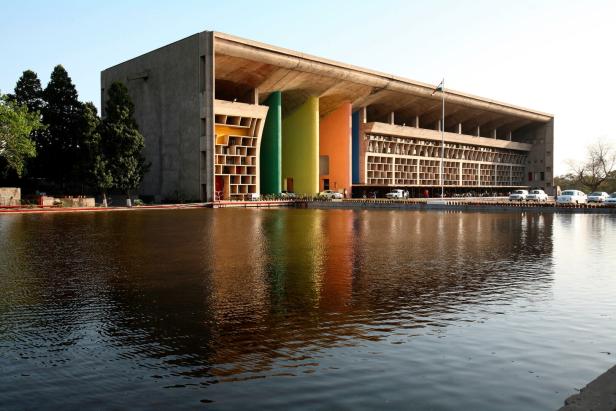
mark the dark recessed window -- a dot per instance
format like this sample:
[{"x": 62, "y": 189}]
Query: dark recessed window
[{"x": 202, "y": 73}]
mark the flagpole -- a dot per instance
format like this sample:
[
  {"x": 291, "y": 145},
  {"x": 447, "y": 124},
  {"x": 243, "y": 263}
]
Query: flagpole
[{"x": 443, "y": 142}]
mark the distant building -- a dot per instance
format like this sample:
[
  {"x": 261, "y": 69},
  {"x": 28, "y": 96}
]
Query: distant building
[{"x": 224, "y": 117}]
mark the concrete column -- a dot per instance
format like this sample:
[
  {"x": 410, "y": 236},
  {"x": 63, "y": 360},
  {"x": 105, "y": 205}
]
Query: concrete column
[
  {"x": 254, "y": 96},
  {"x": 494, "y": 133},
  {"x": 417, "y": 170},
  {"x": 300, "y": 147},
  {"x": 355, "y": 147},
  {"x": 460, "y": 173},
  {"x": 206, "y": 49},
  {"x": 438, "y": 125},
  {"x": 390, "y": 118},
  {"x": 459, "y": 128},
  {"x": 363, "y": 114},
  {"x": 416, "y": 121},
  {"x": 478, "y": 131},
  {"x": 271, "y": 146},
  {"x": 335, "y": 142},
  {"x": 509, "y": 135}
]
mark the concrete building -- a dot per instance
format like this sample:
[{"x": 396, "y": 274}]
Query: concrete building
[{"x": 226, "y": 118}]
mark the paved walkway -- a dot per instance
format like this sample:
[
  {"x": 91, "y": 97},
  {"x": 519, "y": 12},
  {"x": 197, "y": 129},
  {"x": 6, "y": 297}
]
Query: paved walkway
[{"x": 599, "y": 395}]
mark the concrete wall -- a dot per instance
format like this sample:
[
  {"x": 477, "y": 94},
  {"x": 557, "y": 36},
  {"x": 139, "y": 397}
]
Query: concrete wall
[
  {"x": 165, "y": 87},
  {"x": 77, "y": 201},
  {"x": 10, "y": 196},
  {"x": 541, "y": 157}
]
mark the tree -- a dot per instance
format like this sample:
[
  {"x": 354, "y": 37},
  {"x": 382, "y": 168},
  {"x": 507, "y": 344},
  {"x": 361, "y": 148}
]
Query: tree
[
  {"x": 597, "y": 168},
  {"x": 16, "y": 124},
  {"x": 122, "y": 142},
  {"x": 28, "y": 91},
  {"x": 95, "y": 156},
  {"x": 62, "y": 142},
  {"x": 86, "y": 150}
]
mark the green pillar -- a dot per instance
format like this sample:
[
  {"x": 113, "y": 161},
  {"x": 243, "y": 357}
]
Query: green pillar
[
  {"x": 270, "y": 158},
  {"x": 300, "y": 147}
]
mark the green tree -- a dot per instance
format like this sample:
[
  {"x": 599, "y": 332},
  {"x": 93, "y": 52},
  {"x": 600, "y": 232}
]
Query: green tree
[
  {"x": 61, "y": 144},
  {"x": 16, "y": 124},
  {"x": 28, "y": 91},
  {"x": 122, "y": 142},
  {"x": 95, "y": 156}
]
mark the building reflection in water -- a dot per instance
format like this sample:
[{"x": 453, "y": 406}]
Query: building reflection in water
[{"x": 233, "y": 294}]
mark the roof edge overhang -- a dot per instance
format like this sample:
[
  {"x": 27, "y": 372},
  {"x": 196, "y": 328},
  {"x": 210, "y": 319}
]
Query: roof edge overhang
[{"x": 230, "y": 45}]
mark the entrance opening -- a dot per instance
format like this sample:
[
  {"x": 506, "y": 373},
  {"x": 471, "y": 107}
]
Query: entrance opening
[
  {"x": 288, "y": 183},
  {"x": 220, "y": 187}
]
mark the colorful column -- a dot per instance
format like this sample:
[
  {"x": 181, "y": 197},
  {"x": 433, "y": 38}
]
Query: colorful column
[
  {"x": 335, "y": 148},
  {"x": 271, "y": 146},
  {"x": 300, "y": 149}
]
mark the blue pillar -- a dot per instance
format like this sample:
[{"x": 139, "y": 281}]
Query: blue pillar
[{"x": 355, "y": 147}]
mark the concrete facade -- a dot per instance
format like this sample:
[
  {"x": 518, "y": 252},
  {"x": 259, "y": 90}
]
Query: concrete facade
[
  {"x": 193, "y": 103},
  {"x": 164, "y": 85}
]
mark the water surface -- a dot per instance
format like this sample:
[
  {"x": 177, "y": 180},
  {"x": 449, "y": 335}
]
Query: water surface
[{"x": 304, "y": 309}]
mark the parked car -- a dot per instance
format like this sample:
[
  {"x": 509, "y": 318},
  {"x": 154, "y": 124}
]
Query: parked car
[
  {"x": 597, "y": 197},
  {"x": 571, "y": 197},
  {"x": 611, "y": 200},
  {"x": 518, "y": 195},
  {"x": 397, "y": 193},
  {"x": 288, "y": 195},
  {"x": 331, "y": 194},
  {"x": 537, "y": 195}
]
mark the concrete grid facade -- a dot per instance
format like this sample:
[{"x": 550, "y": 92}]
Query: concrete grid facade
[{"x": 229, "y": 118}]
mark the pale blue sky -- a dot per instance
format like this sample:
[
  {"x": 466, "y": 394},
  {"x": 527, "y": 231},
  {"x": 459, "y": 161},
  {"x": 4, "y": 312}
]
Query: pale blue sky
[{"x": 553, "y": 56}]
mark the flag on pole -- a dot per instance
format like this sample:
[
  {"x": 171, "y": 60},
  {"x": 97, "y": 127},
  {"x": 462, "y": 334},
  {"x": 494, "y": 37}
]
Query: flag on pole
[{"x": 439, "y": 87}]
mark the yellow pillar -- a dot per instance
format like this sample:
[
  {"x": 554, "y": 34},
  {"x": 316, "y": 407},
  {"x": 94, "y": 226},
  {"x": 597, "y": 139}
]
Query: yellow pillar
[{"x": 300, "y": 149}]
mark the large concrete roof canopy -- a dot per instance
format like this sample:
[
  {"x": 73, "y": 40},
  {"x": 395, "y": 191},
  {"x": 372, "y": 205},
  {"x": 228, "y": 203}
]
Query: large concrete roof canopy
[{"x": 254, "y": 65}]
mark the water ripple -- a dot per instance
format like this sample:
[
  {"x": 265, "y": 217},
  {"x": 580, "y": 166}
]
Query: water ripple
[{"x": 303, "y": 309}]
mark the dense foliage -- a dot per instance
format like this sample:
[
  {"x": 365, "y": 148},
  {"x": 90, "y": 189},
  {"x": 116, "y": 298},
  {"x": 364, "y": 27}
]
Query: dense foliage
[
  {"x": 121, "y": 141},
  {"x": 16, "y": 124},
  {"x": 51, "y": 141},
  {"x": 28, "y": 91}
]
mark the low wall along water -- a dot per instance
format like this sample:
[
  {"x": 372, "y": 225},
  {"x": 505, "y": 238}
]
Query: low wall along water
[{"x": 10, "y": 196}]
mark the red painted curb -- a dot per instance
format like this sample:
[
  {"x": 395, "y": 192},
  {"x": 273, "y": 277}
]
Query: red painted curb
[{"x": 96, "y": 209}]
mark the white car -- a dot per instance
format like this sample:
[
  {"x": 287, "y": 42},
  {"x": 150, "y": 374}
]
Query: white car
[
  {"x": 611, "y": 200},
  {"x": 537, "y": 195},
  {"x": 571, "y": 197},
  {"x": 597, "y": 197},
  {"x": 397, "y": 193},
  {"x": 518, "y": 195},
  {"x": 331, "y": 195}
]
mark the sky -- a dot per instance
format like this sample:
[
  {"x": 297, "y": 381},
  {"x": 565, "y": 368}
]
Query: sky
[{"x": 555, "y": 56}]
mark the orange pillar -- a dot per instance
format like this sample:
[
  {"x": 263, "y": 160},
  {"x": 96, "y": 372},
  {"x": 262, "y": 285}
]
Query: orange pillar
[{"x": 335, "y": 150}]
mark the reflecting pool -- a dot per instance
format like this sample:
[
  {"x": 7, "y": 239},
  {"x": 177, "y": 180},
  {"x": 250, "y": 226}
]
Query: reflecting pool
[{"x": 304, "y": 309}]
